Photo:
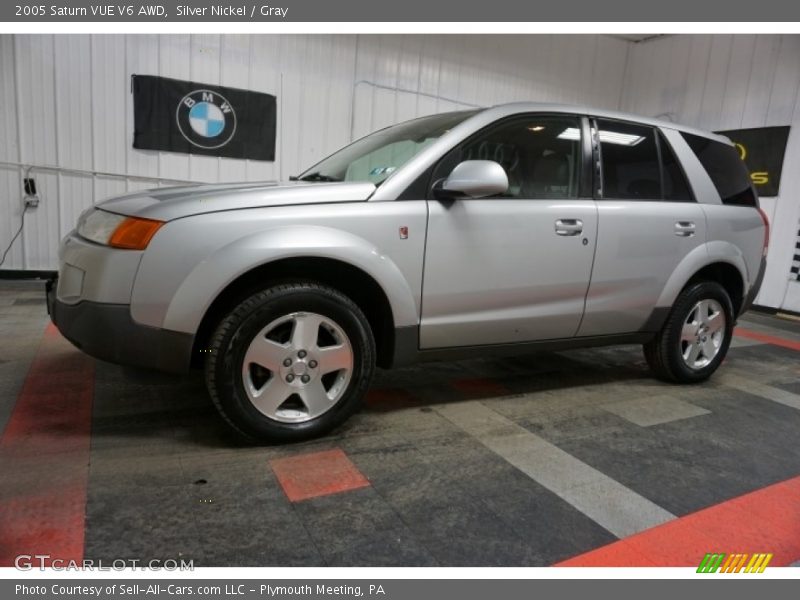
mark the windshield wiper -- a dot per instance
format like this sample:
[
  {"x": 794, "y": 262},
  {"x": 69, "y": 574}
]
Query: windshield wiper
[{"x": 317, "y": 176}]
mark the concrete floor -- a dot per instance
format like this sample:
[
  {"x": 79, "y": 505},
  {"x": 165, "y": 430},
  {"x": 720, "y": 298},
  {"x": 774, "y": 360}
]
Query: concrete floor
[{"x": 524, "y": 461}]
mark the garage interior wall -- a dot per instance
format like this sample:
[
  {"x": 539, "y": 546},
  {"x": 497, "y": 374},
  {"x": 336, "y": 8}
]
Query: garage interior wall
[
  {"x": 65, "y": 102},
  {"x": 722, "y": 82}
]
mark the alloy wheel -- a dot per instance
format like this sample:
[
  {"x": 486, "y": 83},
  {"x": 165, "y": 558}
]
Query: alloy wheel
[
  {"x": 298, "y": 367},
  {"x": 703, "y": 334}
]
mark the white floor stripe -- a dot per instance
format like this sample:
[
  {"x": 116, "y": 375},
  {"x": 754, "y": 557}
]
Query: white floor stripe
[
  {"x": 618, "y": 509},
  {"x": 760, "y": 389},
  {"x": 654, "y": 410}
]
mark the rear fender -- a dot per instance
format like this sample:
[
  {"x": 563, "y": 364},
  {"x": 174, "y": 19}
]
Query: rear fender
[{"x": 712, "y": 252}]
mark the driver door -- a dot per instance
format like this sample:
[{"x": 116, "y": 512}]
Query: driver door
[{"x": 513, "y": 267}]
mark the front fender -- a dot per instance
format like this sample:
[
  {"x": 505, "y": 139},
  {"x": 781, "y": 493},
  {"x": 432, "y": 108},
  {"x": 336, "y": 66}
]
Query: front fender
[
  {"x": 717, "y": 251},
  {"x": 196, "y": 288}
]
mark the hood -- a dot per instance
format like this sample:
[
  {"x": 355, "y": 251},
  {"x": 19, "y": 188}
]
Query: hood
[{"x": 168, "y": 203}]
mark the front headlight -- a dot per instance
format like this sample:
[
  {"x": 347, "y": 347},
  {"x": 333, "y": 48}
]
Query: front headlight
[
  {"x": 118, "y": 231},
  {"x": 98, "y": 225}
]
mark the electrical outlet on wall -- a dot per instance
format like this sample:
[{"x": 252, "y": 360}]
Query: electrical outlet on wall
[{"x": 31, "y": 197}]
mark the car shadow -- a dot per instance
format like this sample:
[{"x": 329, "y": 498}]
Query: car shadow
[{"x": 136, "y": 407}]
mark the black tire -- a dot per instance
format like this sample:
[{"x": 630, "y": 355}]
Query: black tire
[
  {"x": 230, "y": 341},
  {"x": 664, "y": 352}
]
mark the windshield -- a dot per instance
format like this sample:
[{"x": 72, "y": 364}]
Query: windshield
[{"x": 374, "y": 157}]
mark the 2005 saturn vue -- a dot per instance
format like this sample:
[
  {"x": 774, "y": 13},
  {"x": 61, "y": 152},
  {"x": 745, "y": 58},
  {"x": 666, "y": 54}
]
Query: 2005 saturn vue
[{"x": 490, "y": 231}]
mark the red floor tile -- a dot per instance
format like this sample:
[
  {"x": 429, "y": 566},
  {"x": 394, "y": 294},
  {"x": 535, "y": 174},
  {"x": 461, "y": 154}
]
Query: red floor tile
[
  {"x": 318, "y": 474},
  {"x": 763, "y": 521},
  {"x": 386, "y": 399},
  {"x": 767, "y": 339},
  {"x": 479, "y": 388},
  {"x": 44, "y": 450}
]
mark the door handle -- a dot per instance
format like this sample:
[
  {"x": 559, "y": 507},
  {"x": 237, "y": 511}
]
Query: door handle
[
  {"x": 685, "y": 228},
  {"x": 569, "y": 226}
]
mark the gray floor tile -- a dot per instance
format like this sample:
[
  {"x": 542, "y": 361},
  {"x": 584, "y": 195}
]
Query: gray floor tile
[{"x": 654, "y": 410}]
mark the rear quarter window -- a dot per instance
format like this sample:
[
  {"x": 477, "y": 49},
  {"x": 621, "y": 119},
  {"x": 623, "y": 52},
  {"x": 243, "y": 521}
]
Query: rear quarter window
[{"x": 725, "y": 168}]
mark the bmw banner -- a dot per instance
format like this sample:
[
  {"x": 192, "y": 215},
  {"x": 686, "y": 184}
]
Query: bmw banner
[{"x": 196, "y": 118}]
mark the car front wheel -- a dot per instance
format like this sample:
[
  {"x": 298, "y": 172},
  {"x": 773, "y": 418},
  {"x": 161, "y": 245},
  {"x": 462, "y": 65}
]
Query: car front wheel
[
  {"x": 290, "y": 362},
  {"x": 696, "y": 336}
]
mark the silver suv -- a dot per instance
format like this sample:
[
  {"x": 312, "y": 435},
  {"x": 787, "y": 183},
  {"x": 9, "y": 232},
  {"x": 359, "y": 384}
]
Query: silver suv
[{"x": 504, "y": 230}]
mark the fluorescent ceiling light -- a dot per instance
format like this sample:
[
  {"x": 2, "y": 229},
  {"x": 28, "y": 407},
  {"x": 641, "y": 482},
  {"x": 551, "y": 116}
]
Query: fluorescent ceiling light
[
  {"x": 570, "y": 133},
  {"x": 610, "y": 137},
  {"x": 536, "y": 128},
  {"x": 623, "y": 139}
]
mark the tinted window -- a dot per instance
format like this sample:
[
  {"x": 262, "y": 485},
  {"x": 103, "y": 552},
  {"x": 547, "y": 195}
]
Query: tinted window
[
  {"x": 676, "y": 188},
  {"x": 630, "y": 161},
  {"x": 726, "y": 169},
  {"x": 541, "y": 156}
]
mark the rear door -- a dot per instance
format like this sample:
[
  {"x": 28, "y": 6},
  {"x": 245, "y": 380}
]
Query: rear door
[
  {"x": 648, "y": 221},
  {"x": 514, "y": 267}
]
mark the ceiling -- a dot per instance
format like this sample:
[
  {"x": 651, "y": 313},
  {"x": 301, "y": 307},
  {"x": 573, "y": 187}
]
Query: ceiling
[{"x": 636, "y": 37}]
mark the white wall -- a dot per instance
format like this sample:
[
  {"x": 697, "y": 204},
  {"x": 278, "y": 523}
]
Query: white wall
[
  {"x": 724, "y": 82},
  {"x": 65, "y": 101}
]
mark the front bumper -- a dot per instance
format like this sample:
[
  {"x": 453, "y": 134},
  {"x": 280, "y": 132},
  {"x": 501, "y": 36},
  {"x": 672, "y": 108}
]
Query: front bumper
[{"x": 107, "y": 332}]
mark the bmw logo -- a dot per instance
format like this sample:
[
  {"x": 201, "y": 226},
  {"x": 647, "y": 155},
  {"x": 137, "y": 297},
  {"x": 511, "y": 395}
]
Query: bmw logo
[{"x": 206, "y": 119}]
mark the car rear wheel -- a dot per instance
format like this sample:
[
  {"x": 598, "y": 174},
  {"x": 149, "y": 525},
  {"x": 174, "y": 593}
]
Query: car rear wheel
[
  {"x": 695, "y": 339},
  {"x": 290, "y": 362}
]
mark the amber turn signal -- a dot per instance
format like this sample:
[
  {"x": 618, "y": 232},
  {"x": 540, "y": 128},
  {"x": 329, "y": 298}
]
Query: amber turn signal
[{"x": 134, "y": 233}]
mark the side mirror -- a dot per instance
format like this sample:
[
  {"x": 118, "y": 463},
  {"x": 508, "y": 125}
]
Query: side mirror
[{"x": 474, "y": 179}]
